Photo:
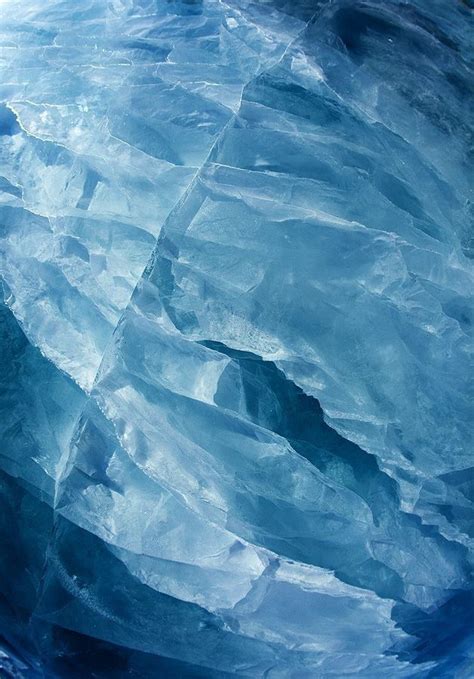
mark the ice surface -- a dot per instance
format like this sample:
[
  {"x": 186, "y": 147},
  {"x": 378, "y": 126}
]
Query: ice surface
[{"x": 236, "y": 339}]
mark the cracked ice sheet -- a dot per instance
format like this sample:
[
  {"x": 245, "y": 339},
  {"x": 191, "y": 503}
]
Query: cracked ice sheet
[
  {"x": 297, "y": 150},
  {"x": 104, "y": 131},
  {"x": 280, "y": 174}
]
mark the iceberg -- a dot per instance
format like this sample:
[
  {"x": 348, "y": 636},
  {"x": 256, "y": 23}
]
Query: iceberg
[{"x": 236, "y": 339}]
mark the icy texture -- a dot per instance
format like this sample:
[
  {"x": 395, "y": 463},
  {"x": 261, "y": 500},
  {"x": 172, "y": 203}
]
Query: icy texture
[{"x": 236, "y": 339}]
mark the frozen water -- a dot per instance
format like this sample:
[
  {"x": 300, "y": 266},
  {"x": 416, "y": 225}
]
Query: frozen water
[{"x": 236, "y": 338}]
